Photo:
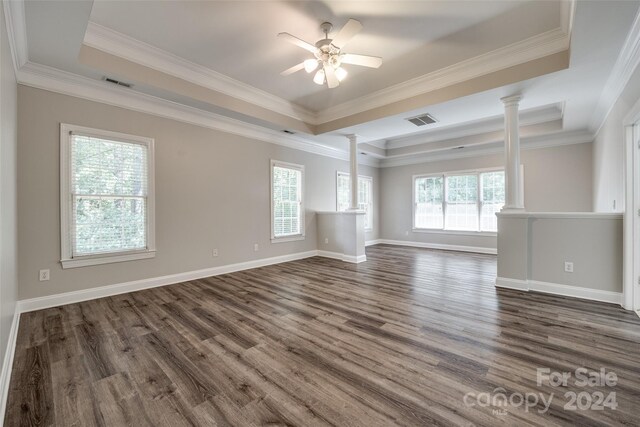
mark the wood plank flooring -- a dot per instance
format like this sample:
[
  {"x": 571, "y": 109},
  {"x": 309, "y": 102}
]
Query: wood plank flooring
[{"x": 398, "y": 340}]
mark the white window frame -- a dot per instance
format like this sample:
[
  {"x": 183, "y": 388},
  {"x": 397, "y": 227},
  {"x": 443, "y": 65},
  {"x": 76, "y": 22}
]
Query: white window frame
[
  {"x": 301, "y": 235},
  {"x": 66, "y": 211},
  {"x": 364, "y": 177},
  {"x": 444, "y": 175}
]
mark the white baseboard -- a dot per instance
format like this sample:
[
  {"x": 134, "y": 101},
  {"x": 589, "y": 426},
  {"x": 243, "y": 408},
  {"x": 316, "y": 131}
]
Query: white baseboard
[
  {"x": 372, "y": 242},
  {"x": 7, "y": 364},
  {"x": 457, "y": 248},
  {"x": 354, "y": 259},
  {"x": 576, "y": 292},
  {"x": 137, "y": 285},
  {"x": 343, "y": 257},
  {"x": 558, "y": 289},
  {"x": 520, "y": 285}
]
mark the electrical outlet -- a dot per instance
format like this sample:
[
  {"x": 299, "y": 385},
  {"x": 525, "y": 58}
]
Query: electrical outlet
[
  {"x": 255, "y": 247},
  {"x": 568, "y": 267},
  {"x": 44, "y": 275},
  {"x": 215, "y": 252},
  {"x": 326, "y": 241}
]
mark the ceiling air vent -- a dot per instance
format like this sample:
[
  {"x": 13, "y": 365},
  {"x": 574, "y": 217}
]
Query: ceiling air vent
[
  {"x": 117, "y": 82},
  {"x": 422, "y": 120}
]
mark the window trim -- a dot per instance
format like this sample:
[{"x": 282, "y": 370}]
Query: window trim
[
  {"x": 67, "y": 259},
  {"x": 338, "y": 173},
  {"x": 293, "y": 237},
  {"x": 444, "y": 175}
]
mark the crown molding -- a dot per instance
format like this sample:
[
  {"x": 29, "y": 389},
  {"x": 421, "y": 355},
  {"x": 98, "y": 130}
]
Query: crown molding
[
  {"x": 476, "y": 127},
  {"x": 529, "y": 143},
  {"x": 14, "y": 16},
  {"x": 532, "y": 48},
  {"x": 123, "y": 46},
  {"x": 52, "y": 79},
  {"x": 625, "y": 65},
  {"x": 378, "y": 143}
]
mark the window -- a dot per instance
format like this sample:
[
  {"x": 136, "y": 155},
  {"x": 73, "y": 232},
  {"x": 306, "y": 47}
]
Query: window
[
  {"x": 365, "y": 196},
  {"x": 287, "y": 207},
  {"x": 465, "y": 201},
  {"x": 107, "y": 203},
  {"x": 429, "y": 198}
]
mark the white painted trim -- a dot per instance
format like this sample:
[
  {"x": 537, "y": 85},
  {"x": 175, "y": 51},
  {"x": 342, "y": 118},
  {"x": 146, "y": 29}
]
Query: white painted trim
[
  {"x": 48, "y": 78},
  {"x": 576, "y": 292},
  {"x": 535, "y": 47},
  {"x": 299, "y": 168},
  {"x": 342, "y": 257},
  {"x": 517, "y": 284},
  {"x": 54, "y": 80},
  {"x": 123, "y": 46},
  {"x": 625, "y": 65},
  {"x": 631, "y": 237},
  {"x": 562, "y": 215},
  {"x": 66, "y": 225},
  {"x": 7, "y": 365},
  {"x": 455, "y": 232},
  {"x": 354, "y": 259},
  {"x": 559, "y": 289},
  {"x": 440, "y": 246},
  {"x": 372, "y": 242},
  {"x": 286, "y": 239},
  {"x": 107, "y": 259},
  {"x": 137, "y": 285},
  {"x": 444, "y": 176},
  {"x": 489, "y": 148},
  {"x": 14, "y": 16}
]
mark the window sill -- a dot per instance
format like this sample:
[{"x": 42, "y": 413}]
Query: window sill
[
  {"x": 456, "y": 232},
  {"x": 287, "y": 239},
  {"x": 106, "y": 259}
]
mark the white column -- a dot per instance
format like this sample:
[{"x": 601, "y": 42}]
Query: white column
[
  {"x": 353, "y": 155},
  {"x": 514, "y": 199}
]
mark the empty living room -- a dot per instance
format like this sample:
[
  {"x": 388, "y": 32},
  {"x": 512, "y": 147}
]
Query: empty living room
[{"x": 319, "y": 213}]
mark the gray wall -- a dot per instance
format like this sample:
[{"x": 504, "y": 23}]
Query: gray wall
[
  {"x": 555, "y": 180},
  {"x": 8, "y": 201},
  {"x": 212, "y": 191},
  {"x": 534, "y": 247},
  {"x": 608, "y": 152},
  {"x": 594, "y": 245}
]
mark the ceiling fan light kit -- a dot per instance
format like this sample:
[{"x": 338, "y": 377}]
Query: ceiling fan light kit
[{"x": 329, "y": 56}]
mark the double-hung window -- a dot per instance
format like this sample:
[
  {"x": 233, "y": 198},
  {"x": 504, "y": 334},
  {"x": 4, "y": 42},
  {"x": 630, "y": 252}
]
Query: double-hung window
[
  {"x": 287, "y": 201},
  {"x": 107, "y": 197},
  {"x": 365, "y": 196},
  {"x": 465, "y": 201}
]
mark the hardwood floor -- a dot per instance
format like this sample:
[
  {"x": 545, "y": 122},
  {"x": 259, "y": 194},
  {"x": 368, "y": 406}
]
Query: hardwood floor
[{"x": 411, "y": 337}]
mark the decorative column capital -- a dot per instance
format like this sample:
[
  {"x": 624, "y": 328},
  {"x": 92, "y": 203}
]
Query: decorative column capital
[
  {"x": 511, "y": 100},
  {"x": 352, "y": 137}
]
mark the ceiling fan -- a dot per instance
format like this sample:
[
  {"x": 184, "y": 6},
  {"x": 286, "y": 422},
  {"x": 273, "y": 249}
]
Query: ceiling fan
[{"x": 328, "y": 54}]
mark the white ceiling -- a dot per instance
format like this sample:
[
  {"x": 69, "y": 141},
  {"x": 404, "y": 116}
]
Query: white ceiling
[{"x": 238, "y": 39}]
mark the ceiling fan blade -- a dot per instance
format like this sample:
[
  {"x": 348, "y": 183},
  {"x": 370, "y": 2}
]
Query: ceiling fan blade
[
  {"x": 298, "y": 42},
  {"x": 363, "y": 60},
  {"x": 351, "y": 28},
  {"x": 293, "y": 69},
  {"x": 330, "y": 74}
]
